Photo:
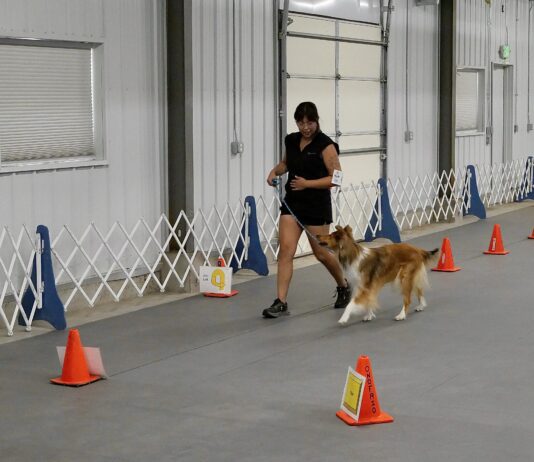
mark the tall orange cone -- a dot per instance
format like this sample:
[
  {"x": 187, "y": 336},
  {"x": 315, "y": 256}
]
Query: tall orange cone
[
  {"x": 496, "y": 247},
  {"x": 370, "y": 412},
  {"x": 446, "y": 260},
  {"x": 75, "y": 371},
  {"x": 532, "y": 235}
]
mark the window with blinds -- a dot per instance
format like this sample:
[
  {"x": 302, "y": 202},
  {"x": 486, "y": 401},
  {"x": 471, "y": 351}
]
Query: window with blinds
[
  {"x": 470, "y": 101},
  {"x": 47, "y": 110}
]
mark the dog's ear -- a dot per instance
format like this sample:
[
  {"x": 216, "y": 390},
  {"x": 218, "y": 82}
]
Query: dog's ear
[
  {"x": 348, "y": 230},
  {"x": 339, "y": 228}
]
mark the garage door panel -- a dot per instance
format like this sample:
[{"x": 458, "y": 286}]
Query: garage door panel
[
  {"x": 357, "y": 60},
  {"x": 359, "y": 31},
  {"x": 347, "y": 143},
  {"x": 359, "y": 106},
  {"x": 311, "y": 25},
  {"x": 321, "y": 92},
  {"x": 299, "y": 52}
]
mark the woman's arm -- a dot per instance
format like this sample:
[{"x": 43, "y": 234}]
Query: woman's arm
[
  {"x": 331, "y": 162},
  {"x": 278, "y": 170}
]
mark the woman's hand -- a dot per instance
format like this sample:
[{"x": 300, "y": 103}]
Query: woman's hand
[
  {"x": 298, "y": 183},
  {"x": 270, "y": 178}
]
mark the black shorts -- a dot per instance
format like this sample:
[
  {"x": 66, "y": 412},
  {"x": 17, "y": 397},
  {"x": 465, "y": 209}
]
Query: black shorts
[{"x": 307, "y": 220}]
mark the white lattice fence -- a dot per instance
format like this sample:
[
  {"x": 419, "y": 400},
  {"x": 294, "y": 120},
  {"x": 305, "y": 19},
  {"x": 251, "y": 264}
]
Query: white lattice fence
[
  {"x": 504, "y": 183},
  {"x": 92, "y": 262},
  {"x": 423, "y": 200},
  {"x": 17, "y": 252}
]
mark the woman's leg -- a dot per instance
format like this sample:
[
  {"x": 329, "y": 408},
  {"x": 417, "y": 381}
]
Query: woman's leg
[
  {"x": 324, "y": 256},
  {"x": 289, "y": 233}
]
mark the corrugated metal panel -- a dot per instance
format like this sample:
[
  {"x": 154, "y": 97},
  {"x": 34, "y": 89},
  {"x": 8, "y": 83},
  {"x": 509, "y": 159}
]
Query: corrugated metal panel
[
  {"x": 218, "y": 176},
  {"x": 419, "y": 156},
  {"x": 481, "y": 26},
  {"x": 130, "y": 188}
]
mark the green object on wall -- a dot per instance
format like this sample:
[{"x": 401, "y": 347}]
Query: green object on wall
[{"x": 504, "y": 51}]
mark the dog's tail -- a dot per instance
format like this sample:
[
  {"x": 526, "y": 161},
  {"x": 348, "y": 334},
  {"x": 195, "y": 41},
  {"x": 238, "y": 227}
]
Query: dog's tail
[{"x": 430, "y": 256}]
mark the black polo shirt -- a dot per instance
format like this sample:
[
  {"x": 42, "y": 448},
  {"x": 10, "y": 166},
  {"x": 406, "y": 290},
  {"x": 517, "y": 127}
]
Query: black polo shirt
[{"x": 308, "y": 164}]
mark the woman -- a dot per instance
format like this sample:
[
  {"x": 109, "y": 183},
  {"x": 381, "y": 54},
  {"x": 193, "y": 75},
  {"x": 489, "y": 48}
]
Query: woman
[{"x": 310, "y": 160}]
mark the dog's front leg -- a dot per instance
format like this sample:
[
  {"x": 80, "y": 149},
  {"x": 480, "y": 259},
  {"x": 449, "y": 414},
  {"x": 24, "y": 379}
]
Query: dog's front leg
[{"x": 351, "y": 308}]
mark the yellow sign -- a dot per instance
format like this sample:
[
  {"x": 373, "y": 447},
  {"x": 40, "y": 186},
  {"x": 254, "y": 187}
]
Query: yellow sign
[
  {"x": 214, "y": 279},
  {"x": 353, "y": 393}
]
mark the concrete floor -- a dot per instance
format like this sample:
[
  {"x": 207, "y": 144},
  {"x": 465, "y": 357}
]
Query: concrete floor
[{"x": 204, "y": 379}]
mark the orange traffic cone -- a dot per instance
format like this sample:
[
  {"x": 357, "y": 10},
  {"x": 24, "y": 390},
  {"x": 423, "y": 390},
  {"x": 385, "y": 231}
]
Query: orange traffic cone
[
  {"x": 221, "y": 263},
  {"x": 532, "y": 235},
  {"x": 446, "y": 260},
  {"x": 370, "y": 412},
  {"x": 75, "y": 371},
  {"x": 496, "y": 247}
]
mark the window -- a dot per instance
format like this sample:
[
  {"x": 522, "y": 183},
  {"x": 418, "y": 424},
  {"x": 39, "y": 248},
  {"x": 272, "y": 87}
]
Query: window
[
  {"x": 470, "y": 89},
  {"x": 49, "y": 103}
]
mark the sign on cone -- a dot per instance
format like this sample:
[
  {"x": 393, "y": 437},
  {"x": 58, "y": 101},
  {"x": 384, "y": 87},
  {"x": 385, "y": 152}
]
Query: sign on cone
[
  {"x": 446, "y": 260},
  {"x": 218, "y": 278},
  {"x": 370, "y": 412},
  {"x": 75, "y": 372},
  {"x": 496, "y": 247}
]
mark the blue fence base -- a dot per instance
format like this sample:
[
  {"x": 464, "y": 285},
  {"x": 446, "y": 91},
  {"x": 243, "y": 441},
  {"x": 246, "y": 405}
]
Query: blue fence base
[
  {"x": 53, "y": 310},
  {"x": 256, "y": 259},
  {"x": 477, "y": 207},
  {"x": 526, "y": 181},
  {"x": 389, "y": 229}
]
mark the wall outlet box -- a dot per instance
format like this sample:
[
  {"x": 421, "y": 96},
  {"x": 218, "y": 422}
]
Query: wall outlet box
[
  {"x": 237, "y": 147},
  {"x": 516, "y": 128},
  {"x": 408, "y": 136},
  {"x": 529, "y": 127}
]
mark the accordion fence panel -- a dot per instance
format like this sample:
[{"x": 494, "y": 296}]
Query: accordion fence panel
[{"x": 93, "y": 263}]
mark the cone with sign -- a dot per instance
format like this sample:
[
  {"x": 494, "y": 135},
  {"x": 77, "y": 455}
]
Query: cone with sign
[
  {"x": 532, "y": 235},
  {"x": 446, "y": 260},
  {"x": 75, "y": 371},
  {"x": 220, "y": 264},
  {"x": 496, "y": 246},
  {"x": 370, "y": 412}
]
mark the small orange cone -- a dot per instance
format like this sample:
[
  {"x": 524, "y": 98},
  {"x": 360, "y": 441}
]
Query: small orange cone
[
  {"x": 446, "y": 260},
  {"x": 496, "y": 247},
  {"x": 370, "y": 412},
  {"x": 532, "y": 235},
  {"x": 75, "y": 371},
  {"x": 221, "y": 263}
]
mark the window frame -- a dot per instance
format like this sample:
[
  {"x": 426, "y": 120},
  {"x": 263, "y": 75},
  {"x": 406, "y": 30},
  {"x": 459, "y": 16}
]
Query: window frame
[
  {"x": 480, "y": 130},
  {"x": 98, "y": 113}
]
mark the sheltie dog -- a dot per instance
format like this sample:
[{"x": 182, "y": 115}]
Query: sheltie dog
[{"x": 368, "y": 270}]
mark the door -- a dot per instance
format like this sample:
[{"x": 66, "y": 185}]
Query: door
[
  {"x": 337, "y": 65},
  {"x": 501, "y": 114}
]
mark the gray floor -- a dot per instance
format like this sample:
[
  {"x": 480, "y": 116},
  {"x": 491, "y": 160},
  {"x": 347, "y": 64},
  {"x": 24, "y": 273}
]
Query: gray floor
[{"x": 210, "y": 380}]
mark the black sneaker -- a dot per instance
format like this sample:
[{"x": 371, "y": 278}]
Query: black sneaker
[
  {"x": 343, "y": 296},
  {"x": 276, "y": 309}
]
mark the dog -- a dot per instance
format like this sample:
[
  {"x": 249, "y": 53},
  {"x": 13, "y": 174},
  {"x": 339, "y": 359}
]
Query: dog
[{"x": 369, "y": 269}]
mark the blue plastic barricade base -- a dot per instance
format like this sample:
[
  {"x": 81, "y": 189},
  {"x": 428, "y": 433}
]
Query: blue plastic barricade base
[
  {"x": 477, "y": 207},
  {"x": 53, "y": 310},
  {"x": 389, "y": 229},
  {"x": 256, "y": 259}
]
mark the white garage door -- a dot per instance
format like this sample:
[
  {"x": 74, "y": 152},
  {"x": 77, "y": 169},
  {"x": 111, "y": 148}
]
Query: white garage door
[{"x": 342, "y": 77}]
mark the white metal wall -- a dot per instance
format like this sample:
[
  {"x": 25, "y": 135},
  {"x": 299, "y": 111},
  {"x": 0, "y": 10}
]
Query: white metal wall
[
  {"x": 130, "y": 186},
  {"x": 481, "y": 29},
  {"x": 218, "y": 175},
  {"x": 418, "y": 156}
]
